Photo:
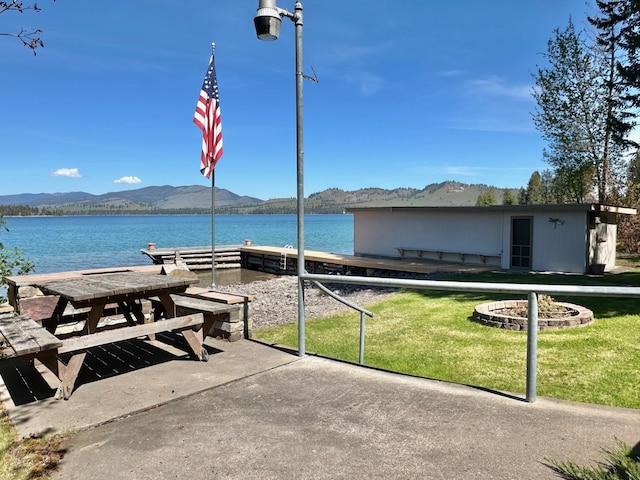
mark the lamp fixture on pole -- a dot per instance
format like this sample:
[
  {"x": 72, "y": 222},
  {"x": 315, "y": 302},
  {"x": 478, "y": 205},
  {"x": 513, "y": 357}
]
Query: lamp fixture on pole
[{"x": 267, "y": 22}]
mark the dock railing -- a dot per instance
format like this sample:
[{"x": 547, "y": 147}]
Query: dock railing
[{"x": 531, "y": 290}]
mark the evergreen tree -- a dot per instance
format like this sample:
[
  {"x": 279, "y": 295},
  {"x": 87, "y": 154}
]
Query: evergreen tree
[
  {"x": 508, "y": 198},
  {"x": 630, "y": 33},
  {"x": 547, "y": 182},
  {"x": 522, "y": 196},
  {"x": 633, "y": 181},
  {"x": 486, "y": 198},
  {"x": 618, "y": 119},
  {"x": 534, "y": 192}
]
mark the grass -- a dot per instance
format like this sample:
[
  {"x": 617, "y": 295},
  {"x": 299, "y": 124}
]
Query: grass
[
  {"x": 429, "y": 334},
  {"x": 27, "y": 459},
  {"x": 623, "y": 463},
  {"x": 628, "y": 259}
]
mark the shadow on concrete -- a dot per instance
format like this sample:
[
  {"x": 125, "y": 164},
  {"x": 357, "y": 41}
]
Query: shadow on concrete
[
  {"x": 635, "y": 452},
  {"x": 26, "y": 384},
  {"x": 293, "y": 351}
]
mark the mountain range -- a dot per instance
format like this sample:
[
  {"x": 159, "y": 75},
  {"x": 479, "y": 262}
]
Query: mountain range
[
  {"x": 164, "y": 197},
  {"x": 196, "y": 198}
]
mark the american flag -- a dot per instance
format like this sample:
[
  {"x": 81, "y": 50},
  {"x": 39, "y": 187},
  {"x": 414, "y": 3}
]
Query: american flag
[{"x": 207, "y": 117}]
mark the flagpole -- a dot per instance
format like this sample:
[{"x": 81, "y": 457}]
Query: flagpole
[
  {"x": 213, "y": 208},
  {"x": 213, "y": 228}
]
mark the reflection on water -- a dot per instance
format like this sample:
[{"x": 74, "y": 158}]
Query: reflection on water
[{"x": 230, "y": 276}]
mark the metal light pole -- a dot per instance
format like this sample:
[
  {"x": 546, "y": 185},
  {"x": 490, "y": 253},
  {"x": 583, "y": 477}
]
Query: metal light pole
[{"x": 267, "y": 22}]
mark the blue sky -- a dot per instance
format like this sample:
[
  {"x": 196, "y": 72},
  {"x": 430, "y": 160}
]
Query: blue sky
[{"x": 410, "y": 93}]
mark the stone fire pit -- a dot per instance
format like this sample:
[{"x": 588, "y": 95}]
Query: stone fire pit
[{"x": 501, "y": 315}]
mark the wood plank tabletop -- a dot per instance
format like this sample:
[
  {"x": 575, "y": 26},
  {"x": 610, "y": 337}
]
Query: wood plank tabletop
[{"x": 112, "y": 285}]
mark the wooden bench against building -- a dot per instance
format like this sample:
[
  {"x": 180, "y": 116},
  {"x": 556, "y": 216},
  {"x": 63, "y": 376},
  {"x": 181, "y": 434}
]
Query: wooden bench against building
[{"x": 440, "y": 253}]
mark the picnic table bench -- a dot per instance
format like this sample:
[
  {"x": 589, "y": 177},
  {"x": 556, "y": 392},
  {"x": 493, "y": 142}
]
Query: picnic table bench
[
  {"x": 26, "y": 338},
  {"x": 222, "y": 319}
]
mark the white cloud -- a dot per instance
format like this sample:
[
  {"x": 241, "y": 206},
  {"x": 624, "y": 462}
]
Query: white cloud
[
  {"x": 368, "y": 83},
  {"x": 354, "y": 54},
  {"x": 491, "y": 123},
  {"x": 449, "y": 73},
  {"x": 497, "y": 86},
  {"x": 66, "y": 172},
  {"x": 356, "y": 64},
  {"x": 464, "y": 170},
  {"x": 129, "y": 180}
]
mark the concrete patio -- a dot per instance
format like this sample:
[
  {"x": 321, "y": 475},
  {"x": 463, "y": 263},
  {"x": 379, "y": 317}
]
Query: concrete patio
[{"x": 254, "y": 411}]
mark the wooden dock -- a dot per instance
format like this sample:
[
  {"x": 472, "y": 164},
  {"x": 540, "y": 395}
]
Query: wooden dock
[
  {"x": 196, "y": 258},
  {"x": 284, "y": 260},
  {"x": 281, "y": 261}
]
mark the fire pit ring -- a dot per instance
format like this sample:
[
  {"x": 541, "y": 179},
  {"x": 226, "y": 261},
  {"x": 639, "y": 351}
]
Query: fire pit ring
[{"x": 489, "y": 314}]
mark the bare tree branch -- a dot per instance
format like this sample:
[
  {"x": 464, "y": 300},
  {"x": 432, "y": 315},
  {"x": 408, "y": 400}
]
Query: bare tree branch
[{"x": 29, "y": 38}]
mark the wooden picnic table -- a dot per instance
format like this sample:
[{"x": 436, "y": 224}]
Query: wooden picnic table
[{"x": 126, "y": 289}]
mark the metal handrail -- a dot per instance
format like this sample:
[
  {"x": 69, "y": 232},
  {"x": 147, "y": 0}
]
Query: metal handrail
[
  {"x": 342, "y": 300},
  {"x": 349, "y": 304},
  {"x": 532, "y": 290},
  {"x": 486, "y": 287}
]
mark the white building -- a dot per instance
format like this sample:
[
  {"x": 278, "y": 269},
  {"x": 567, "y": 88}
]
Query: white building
[{"x": 572, "y": 238}]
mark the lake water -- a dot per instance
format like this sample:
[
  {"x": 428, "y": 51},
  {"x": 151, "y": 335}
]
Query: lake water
[{"x": 56, "y": 244}]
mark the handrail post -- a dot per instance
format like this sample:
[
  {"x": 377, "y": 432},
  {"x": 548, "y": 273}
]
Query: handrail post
[
  {"x": 362, "y": 311},
  {"x": 361, "y": 356},
  {"x": 297, "y": 18},
  {"x": 532, "y": 346}
]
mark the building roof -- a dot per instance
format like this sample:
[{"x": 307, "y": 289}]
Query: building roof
[{"x": 552, "y": 207}]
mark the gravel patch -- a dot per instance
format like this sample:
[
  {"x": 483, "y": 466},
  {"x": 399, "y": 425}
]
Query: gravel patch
[{"x": 276, "y": 300}]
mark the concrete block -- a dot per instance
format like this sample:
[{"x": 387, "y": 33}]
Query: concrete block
[
  {"x": 228, "y": 326},
  {"x": 27, "y": 291},
  {"x": 38, "y": 308}
]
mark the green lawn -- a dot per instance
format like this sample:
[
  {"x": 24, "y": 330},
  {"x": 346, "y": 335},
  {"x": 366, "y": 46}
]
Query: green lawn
[
  {"x": 28, "y": 458},
  {"x": 429, "y": 334}
]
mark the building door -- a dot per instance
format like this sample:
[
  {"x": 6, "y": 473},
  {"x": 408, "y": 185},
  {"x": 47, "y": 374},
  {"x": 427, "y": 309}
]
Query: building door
[{"x": 521, "y": 242}]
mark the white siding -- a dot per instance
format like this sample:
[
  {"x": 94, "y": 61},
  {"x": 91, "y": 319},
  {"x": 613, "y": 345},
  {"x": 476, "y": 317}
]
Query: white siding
[
  {"x": 382, "y": 232},
  {"x": 557, "y": 246},
  {"x": 565, "y": 245}
]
